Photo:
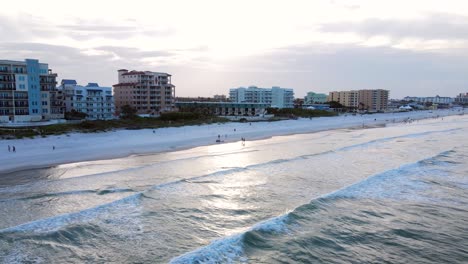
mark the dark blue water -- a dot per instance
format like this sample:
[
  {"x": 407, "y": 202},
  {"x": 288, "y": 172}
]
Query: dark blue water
[{"x": 386, "y": 195}]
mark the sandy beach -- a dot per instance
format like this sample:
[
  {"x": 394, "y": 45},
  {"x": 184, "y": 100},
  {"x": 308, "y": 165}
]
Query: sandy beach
[{"x": 75, "y": 147}]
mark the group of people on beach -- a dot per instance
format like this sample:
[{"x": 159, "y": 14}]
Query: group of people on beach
[{"x": 11, "y": 148}]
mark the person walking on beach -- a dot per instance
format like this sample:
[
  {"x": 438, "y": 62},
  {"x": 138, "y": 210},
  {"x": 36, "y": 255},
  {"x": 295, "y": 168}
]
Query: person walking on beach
[
  {"x": 14, "y": 149},
  {"x": 53, "y": 147},
  {"x": 9, "y": 148}
]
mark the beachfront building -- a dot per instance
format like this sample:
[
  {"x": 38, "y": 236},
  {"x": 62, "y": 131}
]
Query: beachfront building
[
  {"x": 93, "y": 100},
  {"x": 148, "y": 92},
  {"x": 369, "y": 100},
  {"x": 224, "y": 108},
  {"x": 434, "y": 99},
  {"x": 462, "y": 98},
  {"x": 346, "y": 98},
  {"x": 276, "y": 97},
  {"x": 215, "y": 98},
  {"x": 28, "y": 92},
  {"x": 373, "y": 100},
  {"x": 315, "y": 98}
]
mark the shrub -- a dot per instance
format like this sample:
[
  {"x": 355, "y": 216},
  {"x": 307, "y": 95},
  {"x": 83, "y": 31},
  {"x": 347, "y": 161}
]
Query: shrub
[{"x": 176, "y": 116}]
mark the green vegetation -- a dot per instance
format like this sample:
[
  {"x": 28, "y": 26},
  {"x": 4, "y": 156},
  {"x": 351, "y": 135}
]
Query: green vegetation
[
  {"x": 75, "y": 115},
  {"x": 131, "y": 121},
  {"x": 128, "y": 112},
  {"x": 298, "y": 112},
  {"x": 175, "y": 119}
]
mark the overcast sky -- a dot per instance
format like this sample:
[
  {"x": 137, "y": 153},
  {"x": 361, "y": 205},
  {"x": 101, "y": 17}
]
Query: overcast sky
[{"x": 411, "y": 47}]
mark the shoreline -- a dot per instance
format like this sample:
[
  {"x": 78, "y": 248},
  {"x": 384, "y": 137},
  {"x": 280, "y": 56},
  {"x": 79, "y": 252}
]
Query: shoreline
[{"x": 37, "y": 153}]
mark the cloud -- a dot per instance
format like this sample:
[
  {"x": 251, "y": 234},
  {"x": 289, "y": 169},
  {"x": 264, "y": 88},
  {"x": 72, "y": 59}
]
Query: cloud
[
  {"x": 100, "y": 29},
  {"x": 341, "y": 67},
  {"x": 27, "y": 27},
  {"x": 435, "y": 26},
  {"x": 73, "y": 63},
  {"x": 24, "y": 27}
]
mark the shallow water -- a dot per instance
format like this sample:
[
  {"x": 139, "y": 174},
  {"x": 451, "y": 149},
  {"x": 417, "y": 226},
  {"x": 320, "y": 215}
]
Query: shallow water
[{"x": 396, "y": 194}]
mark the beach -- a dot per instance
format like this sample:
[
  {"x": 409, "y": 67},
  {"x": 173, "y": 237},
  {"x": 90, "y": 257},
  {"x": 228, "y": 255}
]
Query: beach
[
  {"x": 74, "y": 147},
  {"x": 370, "y": 190}
]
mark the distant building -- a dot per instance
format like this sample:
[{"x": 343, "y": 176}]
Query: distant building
[
  {"x": 94, "y": 101},
  {"x": 462, "y": 98},
  {"x": 346, "y": 98},
  {"x": 315, "y": 98},
  {"x": 220, "y": 98},
  {"x": 275, "y": 96},
  {"x": 225, "y": 108},
  {"x": 216, "y": 98},
  {"x": 147, "y": 92},
  {"x": 373, "y": 100},
  {"x": 28, "y": 92},
  {"x": 369, "y": 100},
  {"x": 435, "y": 99}
]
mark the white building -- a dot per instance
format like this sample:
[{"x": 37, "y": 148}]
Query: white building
[
  {"x": 435, "y": 100},
  {"x": 94, "y": 101},
  {"x": 275, "y": 96}
]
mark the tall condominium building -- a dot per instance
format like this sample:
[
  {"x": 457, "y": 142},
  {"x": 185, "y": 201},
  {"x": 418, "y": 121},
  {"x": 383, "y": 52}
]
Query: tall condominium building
[
  {"x": 94, "y": 101},
  {"x": 28, "y": 92},
  {"x": 315, "y": 98},
  {"x": 370, "y": 100},
  {"x": 346, "y": 98},
  {"x": 373, "y": 100},
  {"x": 275, "y": 96},
  {"x": 147, "y": 92}
]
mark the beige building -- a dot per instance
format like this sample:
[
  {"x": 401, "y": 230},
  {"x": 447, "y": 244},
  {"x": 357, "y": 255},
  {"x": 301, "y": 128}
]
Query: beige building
[
  {"x": 373, "y": 100},
  {"x": 370, "y": 100},
  {"x": 346, "y": 98},
  {"x": 147, "y": 92}
]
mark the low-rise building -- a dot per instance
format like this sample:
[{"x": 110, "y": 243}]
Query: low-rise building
[
  {"x": 315, "y": 98},
  {"x": 275, "y": 97},
  {"x": 225, "y": 108},
  {"x": 434, "y": 99},
  {"x": 93, "y": 100}
]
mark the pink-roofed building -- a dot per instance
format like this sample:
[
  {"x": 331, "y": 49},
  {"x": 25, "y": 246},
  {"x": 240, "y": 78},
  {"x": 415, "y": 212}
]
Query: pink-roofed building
[{"x": 148, "y": 92}]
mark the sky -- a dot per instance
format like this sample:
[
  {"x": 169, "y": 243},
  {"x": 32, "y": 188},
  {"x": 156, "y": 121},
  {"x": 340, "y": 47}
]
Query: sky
[{"x": 412, "y": 48}]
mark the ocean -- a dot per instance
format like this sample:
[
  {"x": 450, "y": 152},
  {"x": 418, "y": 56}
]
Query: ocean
[{"x": 394, "y": 194}]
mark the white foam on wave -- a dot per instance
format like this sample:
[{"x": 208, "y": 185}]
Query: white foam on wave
[
  {"x": 231, "y": 249},
  {"x": 56, "y": 222}
]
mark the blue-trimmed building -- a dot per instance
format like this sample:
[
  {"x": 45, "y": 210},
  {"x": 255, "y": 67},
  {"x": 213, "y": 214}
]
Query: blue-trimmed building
[
  {"x": 93, "y": 100},
  {"x": 276, "y": 97},
  {"x": 28, "y": 92}
]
